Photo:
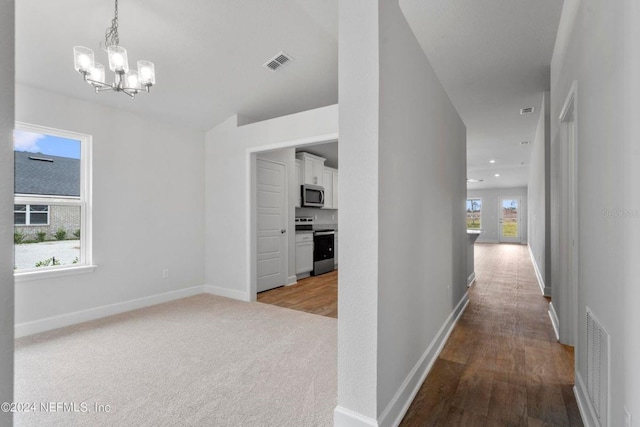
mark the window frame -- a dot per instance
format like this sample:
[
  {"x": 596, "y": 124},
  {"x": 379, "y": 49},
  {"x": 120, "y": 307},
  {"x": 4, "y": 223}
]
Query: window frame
[
  {"x": 84, "y": 202},
  {"x": 27, "y": 215},
  {"x": 479, "y": 216}
]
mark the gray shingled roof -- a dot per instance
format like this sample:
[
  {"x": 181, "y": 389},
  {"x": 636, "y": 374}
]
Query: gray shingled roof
[{"x": 37, "y": 173}]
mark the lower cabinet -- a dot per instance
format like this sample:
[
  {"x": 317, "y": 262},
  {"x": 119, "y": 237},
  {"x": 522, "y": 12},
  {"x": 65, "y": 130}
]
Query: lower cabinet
[
  {"x": 304, "y": 253},
  {"x": 335, "y": 250}
]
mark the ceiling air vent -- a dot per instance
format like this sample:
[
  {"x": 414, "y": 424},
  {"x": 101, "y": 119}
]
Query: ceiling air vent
[
  {"x": 278, "y": 61},
  {"x": 527, "y": 110}
]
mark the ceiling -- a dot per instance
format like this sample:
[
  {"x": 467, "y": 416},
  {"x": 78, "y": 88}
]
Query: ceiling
[
  {"x": 208, "y": 54},
  {"x": 492, "y": 57},
  {"x": 328, "y": 151}
]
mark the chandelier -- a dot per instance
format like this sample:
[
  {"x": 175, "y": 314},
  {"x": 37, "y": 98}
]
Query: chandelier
[{"x": 126, "y": 80}]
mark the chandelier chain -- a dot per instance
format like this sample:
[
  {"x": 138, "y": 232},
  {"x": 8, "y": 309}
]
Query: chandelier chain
[{"x": 111, "y": 37}]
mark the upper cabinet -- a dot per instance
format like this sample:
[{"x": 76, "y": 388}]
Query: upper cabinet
[
  {"x": 299, "y": 182},
  {"x": 312, "y": 168},
  {"x": 330, "y": 180}
]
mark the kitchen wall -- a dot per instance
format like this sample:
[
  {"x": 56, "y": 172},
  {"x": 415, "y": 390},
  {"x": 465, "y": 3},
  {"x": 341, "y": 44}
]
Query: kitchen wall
[
  {"x": 491, "y": 211},
  {"x": 594, "y": 48},
  {"x": 229, "y": 159},
  {"x": 321, "y": 216},
  {"x": 539, "y": 211},
  {"x": 288, "y": 157},
  {"x": 148, "y": 209},
  {"x": 405, "y": 279},
  {"x": 7, "y": 80}
]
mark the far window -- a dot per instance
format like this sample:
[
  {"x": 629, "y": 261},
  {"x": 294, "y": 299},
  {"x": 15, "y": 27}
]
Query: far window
[
  {"x": 31, "y": 214},
  {"x": 52, "y": 195},
  {"x": 474, "y": 214}
]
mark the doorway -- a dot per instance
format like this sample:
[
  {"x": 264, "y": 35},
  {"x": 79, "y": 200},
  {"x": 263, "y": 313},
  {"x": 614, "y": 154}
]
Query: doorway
[{"x": 509, "y": 222}]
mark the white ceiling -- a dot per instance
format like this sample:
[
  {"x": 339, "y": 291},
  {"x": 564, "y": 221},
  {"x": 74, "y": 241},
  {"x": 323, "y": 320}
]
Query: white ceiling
[
  {"x": 328, "y": 151},
  {"x": 492, "y": 56},
  {"x": 208, "y": 54}
]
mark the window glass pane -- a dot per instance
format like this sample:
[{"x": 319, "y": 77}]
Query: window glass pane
[
  {"x": 38, "y": 218},
  {"x": 19, "y": 218},
  {"x": 50, "y": 245},
  {"x": 474, "y": 213},
  {"x": 20, "y": 208},
  {"x": 39, "y": 208}
]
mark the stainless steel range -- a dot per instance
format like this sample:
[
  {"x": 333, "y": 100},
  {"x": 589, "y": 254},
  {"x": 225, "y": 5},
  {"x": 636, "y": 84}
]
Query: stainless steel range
[
  {"x": 323, "y": 251},
  {"x": 323, "y": 245}
]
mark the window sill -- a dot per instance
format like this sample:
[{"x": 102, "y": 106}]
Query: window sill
[{"x": 28, "y": 276}]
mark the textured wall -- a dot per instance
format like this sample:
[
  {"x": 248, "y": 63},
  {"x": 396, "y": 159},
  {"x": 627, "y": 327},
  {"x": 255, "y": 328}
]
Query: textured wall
[{"x": 6, "y": 204}]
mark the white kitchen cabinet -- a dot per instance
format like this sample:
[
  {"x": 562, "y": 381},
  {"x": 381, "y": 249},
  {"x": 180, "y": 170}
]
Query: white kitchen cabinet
[
  {"x": 304, "y": 253},
  {"x": 335, "y": 250},
  {"x": 330, "y": 182},
  {"x": 312, "y": 168},
  {"x": 299, "y": 182}
]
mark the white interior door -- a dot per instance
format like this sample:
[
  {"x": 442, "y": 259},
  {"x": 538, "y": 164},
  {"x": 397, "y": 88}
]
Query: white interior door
[
  {"x": 509, "y": 220},
  {"x": 271, "y": 225}
]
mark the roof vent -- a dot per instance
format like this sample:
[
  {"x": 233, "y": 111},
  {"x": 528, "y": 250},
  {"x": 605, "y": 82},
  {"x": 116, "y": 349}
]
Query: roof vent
[
  {"x": 278, "y": 61},
  {"x": 41, "y": 159},
  {"x": 527, "y": 110}
]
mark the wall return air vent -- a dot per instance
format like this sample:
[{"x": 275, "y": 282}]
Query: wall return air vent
[
  {"x": 527, "y": 110},
  {"x": 278, "y": 61}
]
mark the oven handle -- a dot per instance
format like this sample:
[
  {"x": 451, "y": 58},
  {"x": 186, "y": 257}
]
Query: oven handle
[{"x": 323, "y": 233}]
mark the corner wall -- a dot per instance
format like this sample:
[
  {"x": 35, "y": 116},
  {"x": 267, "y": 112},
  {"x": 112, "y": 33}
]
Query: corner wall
[
  {"x": 148, "y": 211},
  {"x": 7, "y": 81},
  {"x": 403, "y": 275},
  {"x": 590, "y": 49}
]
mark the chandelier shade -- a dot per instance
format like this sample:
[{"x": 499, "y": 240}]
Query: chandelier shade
[{"x": 126, "y": 80}]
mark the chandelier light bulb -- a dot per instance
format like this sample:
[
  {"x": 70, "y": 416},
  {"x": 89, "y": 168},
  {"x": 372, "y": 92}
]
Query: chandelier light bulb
[
  {"x": 118, "y": 59},
  {"x": 83, "y": 59},
  {"x": 147, "y": 73},
  {"x": 97, "y": 73}
]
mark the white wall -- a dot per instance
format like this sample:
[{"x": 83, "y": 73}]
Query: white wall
[
  {"x": 538, "y": 197},
  {"x": 228, "y": 168},
  {"x": 403, "y": 265},
  {"x": 491, "y": 199},
  {"x": 6, "y": 205},
  {"x": 288, "y": 157},
  {"x": 590, "y": 49},
  {"x": 631, "y": 150},
  {"x": 148, "y": 207}
]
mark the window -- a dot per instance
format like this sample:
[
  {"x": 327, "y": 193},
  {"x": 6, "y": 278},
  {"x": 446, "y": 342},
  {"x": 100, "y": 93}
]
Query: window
[
  {"x": 474, "y": 214},
  {"x": 52, "y": 221},
  {"x": 31, "y": 214}
]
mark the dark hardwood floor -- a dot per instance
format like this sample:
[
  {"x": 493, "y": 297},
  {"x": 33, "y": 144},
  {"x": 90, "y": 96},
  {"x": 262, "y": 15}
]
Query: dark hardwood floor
[
  {"x": 317, "y": 295},
  {"x": 502, "y": 364}
]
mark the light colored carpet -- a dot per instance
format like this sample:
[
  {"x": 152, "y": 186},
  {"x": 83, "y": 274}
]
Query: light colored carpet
[{"x": 200, "y": 361}]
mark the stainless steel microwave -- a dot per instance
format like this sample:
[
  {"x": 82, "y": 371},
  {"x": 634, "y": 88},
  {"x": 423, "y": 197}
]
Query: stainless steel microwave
[{"x": 312, "y": 196}]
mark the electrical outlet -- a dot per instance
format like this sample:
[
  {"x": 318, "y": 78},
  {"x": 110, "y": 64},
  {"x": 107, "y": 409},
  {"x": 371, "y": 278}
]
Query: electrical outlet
[
  {"x": 627, "y": 417},
  {"x": 165, "y": 273}
]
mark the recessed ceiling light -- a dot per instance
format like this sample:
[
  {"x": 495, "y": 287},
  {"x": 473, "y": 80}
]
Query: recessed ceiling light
[
  {"x": 497, "y": 175},
  {"x": 492, "y": 161}
]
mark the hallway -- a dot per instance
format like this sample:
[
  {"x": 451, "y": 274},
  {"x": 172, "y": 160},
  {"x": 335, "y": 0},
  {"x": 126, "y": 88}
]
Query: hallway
[{"x": 502, "y": 364}]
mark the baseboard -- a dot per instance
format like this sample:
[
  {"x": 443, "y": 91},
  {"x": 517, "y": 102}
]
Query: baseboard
[
  {"x": 343, "y": 417},
  {"x": 555, "y": 322},
  {"x": 546, "y": 290},
  {"x": 292, "y": 280},
  {"x": 487, "y": 241},
  {"x": 399, "y": 404},
  {"x": 587, "y": 413},
  {"x": 224, "y": 292},
  {"x": 471, "y": 279},
  {"x": 68, "y": 319}
]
